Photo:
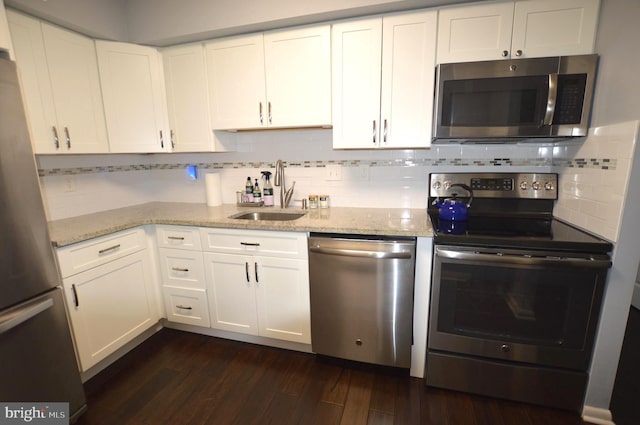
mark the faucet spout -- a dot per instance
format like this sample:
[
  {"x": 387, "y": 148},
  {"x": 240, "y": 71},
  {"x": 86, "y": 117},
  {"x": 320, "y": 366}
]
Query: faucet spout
[{"x": 278, "y": 180}]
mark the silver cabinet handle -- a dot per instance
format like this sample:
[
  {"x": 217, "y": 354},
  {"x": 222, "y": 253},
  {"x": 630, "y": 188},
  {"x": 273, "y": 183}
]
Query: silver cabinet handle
[
  {"x": 260, "y": 112},
  {"x": 76, "y": 301},
  {"x": 66, "y": 132},
  {"x": 381, "y": 255},
  {"x": 551, "y": 99},
  {"x": 56, "y": 140},
  {"x": 384, "y": 139},
  {"x": 17, "y": 318},
  {"x": 179, "y": 269},
  {"x": 161, "y": 140},
  {"x": 249, "y": 243},
  {"x": 182, "y": 307},
  {"x": 111, "y": 248},
  {"x": 246, "y": 269},
  {"x": 173, "y": 145},
  {"x": 269, "y": 111},
  {"x": 374, "y": 132},
  {"x": 255, "y": 269},
  {"x": 176, "y": 238},
  {"x": 505, "y": 53}
]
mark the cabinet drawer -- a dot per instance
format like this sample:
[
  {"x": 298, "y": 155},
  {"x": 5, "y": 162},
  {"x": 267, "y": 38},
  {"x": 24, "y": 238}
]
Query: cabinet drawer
[
  {"x": 187, "y": 306},
  {"x": 266, "y": 243},
  {"x": 183, "y": 269},
  {"x": 86, "y": 255},
  {"x": 182, "y": 237}
]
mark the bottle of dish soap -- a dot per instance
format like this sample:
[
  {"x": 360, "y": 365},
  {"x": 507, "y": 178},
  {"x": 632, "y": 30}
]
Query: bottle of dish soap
[
  {"x": 257, "y": 195},
  {"x": 248, "y": 190},
  {"x": 267, "y": 189}
]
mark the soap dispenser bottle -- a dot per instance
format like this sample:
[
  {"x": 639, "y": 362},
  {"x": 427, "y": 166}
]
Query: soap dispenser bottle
[
  {"x": 248, "y": 190},
  {"x": 257, "y": 194},
  {"x": 267, "y": 189}
]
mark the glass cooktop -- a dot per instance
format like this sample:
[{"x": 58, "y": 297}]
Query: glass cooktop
[{"x": 543, "y": 232}]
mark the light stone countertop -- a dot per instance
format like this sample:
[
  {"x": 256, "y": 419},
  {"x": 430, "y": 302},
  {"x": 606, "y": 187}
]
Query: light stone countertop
[{"x": 365, "y": 221}]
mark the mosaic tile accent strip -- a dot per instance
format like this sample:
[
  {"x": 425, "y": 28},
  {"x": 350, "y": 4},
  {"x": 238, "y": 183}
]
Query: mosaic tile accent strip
[{"x": 594, "y": 163}]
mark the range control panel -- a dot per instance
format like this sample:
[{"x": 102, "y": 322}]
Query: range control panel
[{"x": 496, "y": 185}]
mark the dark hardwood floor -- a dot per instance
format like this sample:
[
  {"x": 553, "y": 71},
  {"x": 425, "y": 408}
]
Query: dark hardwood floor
[{"x": 182, "y": 378}]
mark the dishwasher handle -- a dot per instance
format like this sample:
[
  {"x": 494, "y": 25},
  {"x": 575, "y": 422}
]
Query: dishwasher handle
[{"x": 380, "y": 255}]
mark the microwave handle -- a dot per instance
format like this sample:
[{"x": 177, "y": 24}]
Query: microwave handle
[{"x": 551, "y": 99}]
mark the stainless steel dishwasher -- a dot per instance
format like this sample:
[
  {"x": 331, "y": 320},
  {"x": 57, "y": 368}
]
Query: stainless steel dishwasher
[{"x": 362, "y": 297}]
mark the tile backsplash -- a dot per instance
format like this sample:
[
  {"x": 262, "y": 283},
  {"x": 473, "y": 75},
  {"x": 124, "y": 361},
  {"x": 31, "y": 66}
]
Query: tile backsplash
[
  {"x": 82, "y": 184},
  {"x": 592, "y": 191}
]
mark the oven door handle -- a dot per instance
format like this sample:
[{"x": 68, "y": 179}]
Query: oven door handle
[{"x": 587, "y": 262}]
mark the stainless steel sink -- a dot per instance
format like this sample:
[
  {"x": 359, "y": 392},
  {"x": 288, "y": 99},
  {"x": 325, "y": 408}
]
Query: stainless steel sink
[{"x": 267, "y": 215}]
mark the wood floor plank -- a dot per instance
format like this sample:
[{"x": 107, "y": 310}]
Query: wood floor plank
[
  {"x": 409, "y": 395},
  {"x": 356, "y": 408},
  {"x": 384, "y": 392},
  {"x": 379, "y": 418}
]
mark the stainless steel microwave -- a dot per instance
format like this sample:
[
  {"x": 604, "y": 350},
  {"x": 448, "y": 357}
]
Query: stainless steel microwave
[{"x": 520, "y": 99}]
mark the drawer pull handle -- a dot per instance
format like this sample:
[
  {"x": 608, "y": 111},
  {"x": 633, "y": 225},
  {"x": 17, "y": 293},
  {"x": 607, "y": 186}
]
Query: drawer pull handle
[
  {"x": 176, "y": 238},
  {"x": 179, "y": 269},
  {"x": 76, "y": 302},
  {"x": 249, "y": 244},
  {"x": 182, "y": 307},
  {"x": 111, "y": 248}
]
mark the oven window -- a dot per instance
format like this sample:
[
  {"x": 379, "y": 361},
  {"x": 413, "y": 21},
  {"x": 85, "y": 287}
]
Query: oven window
[
  {"x": 542, "y": 306},
  {"x": 495, "y": 102}
]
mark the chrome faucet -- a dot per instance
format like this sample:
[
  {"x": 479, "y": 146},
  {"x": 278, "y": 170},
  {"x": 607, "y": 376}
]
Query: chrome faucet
[{"x": 278, "y": 180}]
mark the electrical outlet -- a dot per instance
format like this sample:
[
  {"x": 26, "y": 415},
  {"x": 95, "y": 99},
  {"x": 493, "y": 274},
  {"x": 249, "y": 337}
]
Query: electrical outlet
[
  {"x": 363, "y": 173},
  {"x": 69, "y": 183},
  {"x": 333, "y": 172}
]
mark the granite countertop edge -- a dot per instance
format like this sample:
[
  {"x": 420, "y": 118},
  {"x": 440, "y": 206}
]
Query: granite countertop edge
[{"x": 366, "y": 221}]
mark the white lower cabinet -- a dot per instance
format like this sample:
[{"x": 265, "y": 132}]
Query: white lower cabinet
[
  {"x": 258, "y": 291},
  {"x": 112, "y": 302},
  {"x": 182, "y": 274}
]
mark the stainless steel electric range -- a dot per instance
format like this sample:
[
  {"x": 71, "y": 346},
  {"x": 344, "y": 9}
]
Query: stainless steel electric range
[{"x": 516, "y": 293}]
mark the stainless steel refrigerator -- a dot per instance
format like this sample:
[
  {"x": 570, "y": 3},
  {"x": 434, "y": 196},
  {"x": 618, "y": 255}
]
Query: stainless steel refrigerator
[{"x": 37, "y": 360}]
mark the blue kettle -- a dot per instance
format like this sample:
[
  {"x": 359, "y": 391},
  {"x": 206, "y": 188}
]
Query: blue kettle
[{"x": 454, "y": 209}]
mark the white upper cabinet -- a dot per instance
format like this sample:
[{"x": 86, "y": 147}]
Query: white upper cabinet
[
  {"x": 270, "y": 80},
  {"x": 383, "y": 76},
  {"x": 526, "y": 28},
  {"x": 134, "y": 99},
  {"x": 61, "y": 87},
  {"x": 187, "y": 99}
]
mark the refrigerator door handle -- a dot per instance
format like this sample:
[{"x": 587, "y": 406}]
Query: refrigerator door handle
[{"x": 18, "y": 317}]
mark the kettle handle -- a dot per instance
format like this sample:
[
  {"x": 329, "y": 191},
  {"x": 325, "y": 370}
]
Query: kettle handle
[{"x": 467, "y": 188}]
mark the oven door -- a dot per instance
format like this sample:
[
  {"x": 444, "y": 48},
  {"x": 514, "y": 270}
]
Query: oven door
[{"x": 532, "y": 307}]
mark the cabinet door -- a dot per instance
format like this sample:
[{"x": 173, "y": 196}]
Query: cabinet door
[
  {"x": 134, "y": 100},
  {"x": 474, "y": 33},
  {"x": 554, "y": 27},
  {"x": 235, "y": 74},
  {"x": 31, "y": 60},
  {"x": 298, "y": 77},
  {"x": 231, "y": 292},
  {"x": 408, "y": 67},
  {"x": 282, "y": 289},
  {"x": 187, "y": 98},
  {"x": 356, "y": 61},
  {"x": 75, "y": 84},
  {"x": 110, "y": 305}
]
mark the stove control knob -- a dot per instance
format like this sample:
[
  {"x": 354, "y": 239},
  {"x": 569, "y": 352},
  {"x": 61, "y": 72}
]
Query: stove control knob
[
  {"x": 436, "y": 185},
  {"x": 447, "y": 185},
  {"x": 549, "y": 186},
  {"x": 524, "y": 185},
  {"x": 536, "y": 186}
]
